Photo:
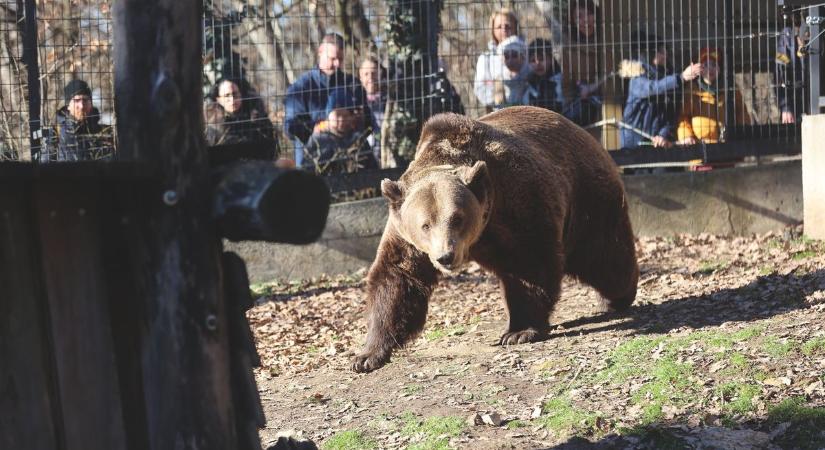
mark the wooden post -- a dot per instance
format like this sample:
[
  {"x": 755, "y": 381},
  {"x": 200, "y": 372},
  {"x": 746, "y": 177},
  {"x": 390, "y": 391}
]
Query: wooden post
[{"x": 182, "y": 331}]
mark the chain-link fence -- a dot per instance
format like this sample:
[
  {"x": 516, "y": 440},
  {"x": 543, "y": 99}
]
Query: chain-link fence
[{"x": 345, "y": 85}]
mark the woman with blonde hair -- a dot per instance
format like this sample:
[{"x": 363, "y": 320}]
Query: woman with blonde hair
[{"x": 490, "y": 68}]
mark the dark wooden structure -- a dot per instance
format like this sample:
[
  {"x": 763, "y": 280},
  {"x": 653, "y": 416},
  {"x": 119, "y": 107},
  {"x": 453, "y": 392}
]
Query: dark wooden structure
[{"x": 122, "y": 320}]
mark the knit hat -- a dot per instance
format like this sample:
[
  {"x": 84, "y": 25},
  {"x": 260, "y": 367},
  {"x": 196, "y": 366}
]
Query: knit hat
[
  {"x": 76, "y": 87},
  {"x": 341, "y": 98},
  {"x": 513, "y": 43}
]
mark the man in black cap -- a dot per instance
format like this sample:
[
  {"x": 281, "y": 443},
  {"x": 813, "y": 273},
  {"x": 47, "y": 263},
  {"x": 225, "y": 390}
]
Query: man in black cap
[{"x": 81, "y": 137}]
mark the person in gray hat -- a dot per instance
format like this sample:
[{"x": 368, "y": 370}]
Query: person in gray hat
[{"x": 80, "y": 136}]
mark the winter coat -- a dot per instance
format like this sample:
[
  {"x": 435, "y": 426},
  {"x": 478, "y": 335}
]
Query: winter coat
[
  {"x": 245, "y": 126},
  {"x": 489, "y": 68},
  {"x": 80, "y": 140},
  {"x": 546, "y": 91},
  {"x": 305, "y": 104},
  {"x": 651, "y": 105},
  {"x": 703, "y": 113},
  {"x": 327, "y": 153}
]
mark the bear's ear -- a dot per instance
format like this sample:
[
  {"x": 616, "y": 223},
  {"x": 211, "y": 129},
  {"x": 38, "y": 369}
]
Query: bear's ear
[
  {"x": 392, "y": 191},
  {"x": 477, "y": 179}
]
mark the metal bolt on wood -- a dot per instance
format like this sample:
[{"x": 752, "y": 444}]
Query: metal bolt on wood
[{"x": 170, "y": 198}]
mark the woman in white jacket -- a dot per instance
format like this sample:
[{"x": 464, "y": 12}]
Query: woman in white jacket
[{"x": 490, "y": 67}]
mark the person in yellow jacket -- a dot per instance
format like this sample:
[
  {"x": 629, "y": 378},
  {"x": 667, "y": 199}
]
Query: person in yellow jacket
[{"x": 702, "y": 117}]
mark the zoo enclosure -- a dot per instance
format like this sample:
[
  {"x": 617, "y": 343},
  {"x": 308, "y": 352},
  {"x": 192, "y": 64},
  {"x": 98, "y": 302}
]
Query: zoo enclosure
[{"x": 270, "y": 43}]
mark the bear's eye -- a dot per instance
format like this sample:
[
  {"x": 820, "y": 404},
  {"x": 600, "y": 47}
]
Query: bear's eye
[
  {"x": 456, "y": 221},
  {"x": 425, "y": 227}
]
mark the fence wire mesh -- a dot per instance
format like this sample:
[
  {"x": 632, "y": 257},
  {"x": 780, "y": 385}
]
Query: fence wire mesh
[{"x": 612, "y": 66}]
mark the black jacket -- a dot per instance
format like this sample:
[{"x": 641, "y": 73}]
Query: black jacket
[{"x": 80, "y": 140}]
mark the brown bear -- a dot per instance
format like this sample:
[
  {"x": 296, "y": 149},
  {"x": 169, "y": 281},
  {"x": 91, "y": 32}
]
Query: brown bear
[{"x": 522, "y": 191}]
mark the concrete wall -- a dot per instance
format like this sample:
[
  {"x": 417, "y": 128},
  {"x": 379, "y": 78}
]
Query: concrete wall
[
  {"x": 727, "y": 202},
  {"x": 813, "y": 175}
]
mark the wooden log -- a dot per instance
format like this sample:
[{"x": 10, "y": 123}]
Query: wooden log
[
  {"x": 255, "y": 201},
  {"x": 185, "y": 351}
]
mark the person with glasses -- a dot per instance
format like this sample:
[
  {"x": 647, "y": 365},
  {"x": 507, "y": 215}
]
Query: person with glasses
[
  {"x": 80, "y": 136},
  {"x": 490, "y": 67},
  {"x": 236, "y": 114}
]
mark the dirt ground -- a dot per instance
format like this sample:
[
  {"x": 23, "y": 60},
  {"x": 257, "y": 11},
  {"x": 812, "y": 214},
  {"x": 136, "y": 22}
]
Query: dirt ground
[{"x": 724, "y": 348}]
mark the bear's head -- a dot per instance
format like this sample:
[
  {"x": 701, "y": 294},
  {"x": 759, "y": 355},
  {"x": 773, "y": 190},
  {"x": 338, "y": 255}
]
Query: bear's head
[{"x": 443, "y": 213}]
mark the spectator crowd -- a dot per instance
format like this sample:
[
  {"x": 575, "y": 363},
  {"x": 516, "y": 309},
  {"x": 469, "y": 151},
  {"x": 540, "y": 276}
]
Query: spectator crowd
[{"x": 334, "y": 119}]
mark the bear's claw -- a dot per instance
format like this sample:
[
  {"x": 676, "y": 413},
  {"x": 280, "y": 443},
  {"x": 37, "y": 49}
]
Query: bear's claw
[
  {"x": 367, "y": 362},
  {"x": 522, "y": 337}
]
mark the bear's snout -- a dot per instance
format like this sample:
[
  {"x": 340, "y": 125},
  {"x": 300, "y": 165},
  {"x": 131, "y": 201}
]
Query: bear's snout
[{"x": 446, "y": 259}]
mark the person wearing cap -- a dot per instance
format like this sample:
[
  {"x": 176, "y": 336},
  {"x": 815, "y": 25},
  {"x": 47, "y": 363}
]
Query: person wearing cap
[
  {"x": 306, "y": 99},
  {"x": 490, "y": 67},
  {"x": 545, "y": 76},
  {"x": 651, "y": 100},
  {"x": 512, "y": 88},
  {"x": 702, "y": 117},
  {"x": 341, "y": 145},
  {"x": 80, "y": 136}
]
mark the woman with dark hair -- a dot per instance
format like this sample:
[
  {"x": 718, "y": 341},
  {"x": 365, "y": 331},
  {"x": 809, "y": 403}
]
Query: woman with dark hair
[
  {"x": 235, "y": 114},
  {"x": 581, "y": 64}
]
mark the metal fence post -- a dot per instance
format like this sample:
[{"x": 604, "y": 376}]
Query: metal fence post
[
  {"x": 33, "y": 73},
  {"x": 813, "y": 61}
]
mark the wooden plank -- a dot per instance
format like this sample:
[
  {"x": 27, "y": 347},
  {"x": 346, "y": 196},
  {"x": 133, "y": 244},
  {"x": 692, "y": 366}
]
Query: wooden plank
[
  {"x": 87, "y": 378},
  {"x": 26, "y": 392}
]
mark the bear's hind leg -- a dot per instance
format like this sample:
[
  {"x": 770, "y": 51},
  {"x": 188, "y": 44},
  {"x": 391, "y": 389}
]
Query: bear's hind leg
[
  {"x": 609, "y": 266},
  {"x": 529, "y": 306}
]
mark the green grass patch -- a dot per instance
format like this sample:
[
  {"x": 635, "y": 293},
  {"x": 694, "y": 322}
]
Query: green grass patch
[
  {"x": 349, "y": 440},
  {"x": 559, "y": 415},
  {"x": 737, "y": 397},
  {"x": 708, "y": 267},
  {"x": 411, "y": 389},
  {"x": 721, "y": 340},
  {"x": 804, "y": 254},
  {"x": 805, "y": 431},
  {"x": 276, "y": 288},
  {"x": 766, "y": 270},
  {"x": 433, "y": 433},
  {"x": 437, "y": 333},
  {"x": 516, "y": 423},
  {"x": 629, "y": 359},
  {"x": 776, "y": 347},
  {"x": 814, "y": 346},
  {"x": 669, "y": 386}
]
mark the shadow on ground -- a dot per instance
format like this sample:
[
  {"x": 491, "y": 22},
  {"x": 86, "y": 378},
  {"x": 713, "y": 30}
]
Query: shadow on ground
[
  {"x": 801, "y": 429},
  {"x": 765, "y": 297}
]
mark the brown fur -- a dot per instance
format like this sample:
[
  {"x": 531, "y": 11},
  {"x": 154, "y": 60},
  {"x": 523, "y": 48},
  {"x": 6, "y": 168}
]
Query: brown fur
[{"x": 548, "y": 202}]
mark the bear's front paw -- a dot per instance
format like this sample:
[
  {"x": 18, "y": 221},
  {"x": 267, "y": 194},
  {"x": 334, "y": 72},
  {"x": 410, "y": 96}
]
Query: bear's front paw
[
  {"x": 522, "y": 337},
  {"x": 367, "y": 362}
]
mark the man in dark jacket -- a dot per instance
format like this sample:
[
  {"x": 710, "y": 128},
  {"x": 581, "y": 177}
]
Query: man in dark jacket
[
  {"x": 81, "y": 137},
  {"x": 651, "y": 104},
  {"x": 306, "y": 99}
]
